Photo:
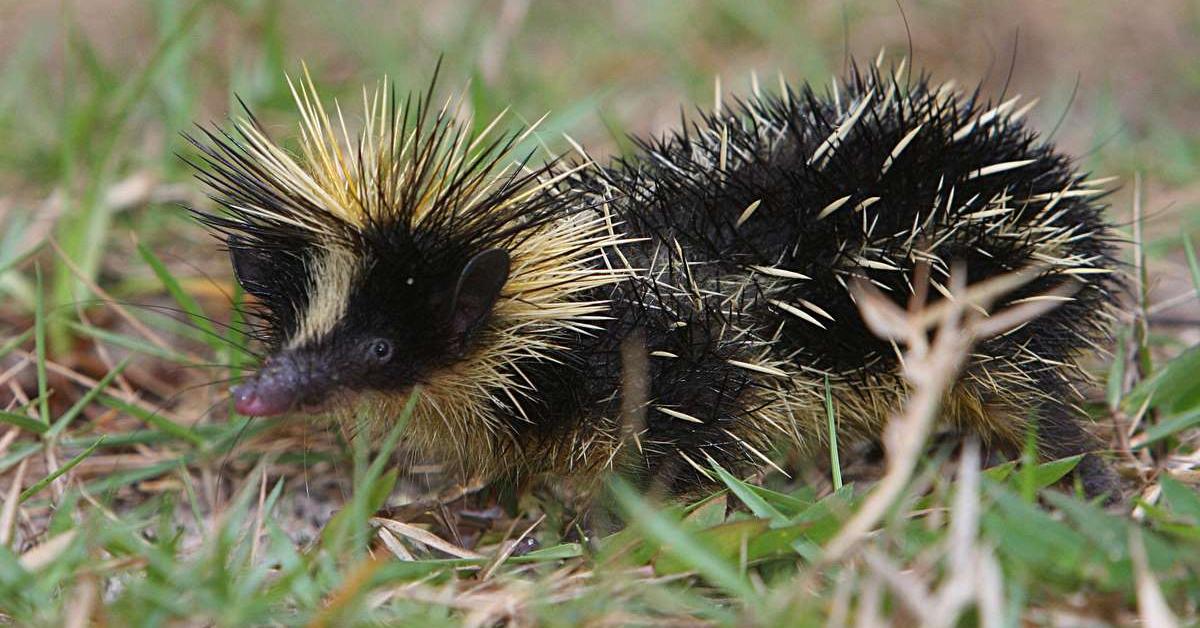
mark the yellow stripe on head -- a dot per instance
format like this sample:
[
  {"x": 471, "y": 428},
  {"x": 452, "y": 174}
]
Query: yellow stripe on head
[{"x": 331, "y": 279}]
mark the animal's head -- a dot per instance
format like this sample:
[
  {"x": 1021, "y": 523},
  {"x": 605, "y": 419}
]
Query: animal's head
[
  {"x": 367, "y": 318},
  {"x": 416, "y": 252}
]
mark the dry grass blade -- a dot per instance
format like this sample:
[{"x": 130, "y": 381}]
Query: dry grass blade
[
  {"x": 45, "y": 553},
  {"x": 968, "y": 577},
  {"x": 839, "y": 608},
  {"x": 931, "y": 372},
  {"x": 870, "y": 603},
  {"x": 1152, "y": 608},
  {"x": 425, "y": 537},
  {"x": 931, "y": 368},
  {"x": 84, "y": 596},
  {"x": 890, "y": 322},
  {"x": 1014, "y": 316},
  {"x": 394, "y": 545},
  {"x": 8, "y": 516},
  {"x": 260, "y": 516},
  {"x": 350, "y": 590},
  {"x": 972, "y": 575},
  {"x": 112, "y": 303},
  {"x": 509, "y": 548},
  {"x": 909, "y": 591}
]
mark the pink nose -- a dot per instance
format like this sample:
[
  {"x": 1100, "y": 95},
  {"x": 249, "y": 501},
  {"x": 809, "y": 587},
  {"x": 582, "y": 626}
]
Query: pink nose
[
  {"x": 254, "y": 399},
  {"x": 281, "y": 384},
  {"x": 250, "y": 402}
]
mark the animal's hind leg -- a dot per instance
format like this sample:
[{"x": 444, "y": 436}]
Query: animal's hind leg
[{"x": 1058, "y": 434}]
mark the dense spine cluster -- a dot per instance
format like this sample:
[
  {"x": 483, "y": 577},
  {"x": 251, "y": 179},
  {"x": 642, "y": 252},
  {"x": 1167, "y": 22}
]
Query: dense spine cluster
[
  {"x": 724, "y": 251},
  {"x": 757, "y": 218}
]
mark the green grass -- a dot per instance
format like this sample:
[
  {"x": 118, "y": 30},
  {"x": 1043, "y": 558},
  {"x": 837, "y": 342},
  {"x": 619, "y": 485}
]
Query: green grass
[{"x": 129, "y": 497}]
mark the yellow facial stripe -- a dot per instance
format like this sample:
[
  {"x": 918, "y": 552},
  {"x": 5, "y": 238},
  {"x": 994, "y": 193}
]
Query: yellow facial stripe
[{"x": 330, "y": 282}]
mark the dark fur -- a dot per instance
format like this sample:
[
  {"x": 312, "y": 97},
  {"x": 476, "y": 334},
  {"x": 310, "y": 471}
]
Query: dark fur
[{"x": 690, "y": 202}]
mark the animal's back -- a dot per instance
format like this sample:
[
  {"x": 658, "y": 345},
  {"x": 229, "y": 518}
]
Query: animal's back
[{"x": 755, "y": 220}]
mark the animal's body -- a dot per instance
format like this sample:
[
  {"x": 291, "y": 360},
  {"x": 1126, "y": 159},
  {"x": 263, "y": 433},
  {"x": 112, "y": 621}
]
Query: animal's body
[{"x": 722, "y": 253}]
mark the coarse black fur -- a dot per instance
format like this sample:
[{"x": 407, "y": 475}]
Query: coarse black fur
[
  {"x": 673, "y": 191},
  {"x": 674, "y": 195}
]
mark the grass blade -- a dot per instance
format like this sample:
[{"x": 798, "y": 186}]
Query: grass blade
[
  {"x": 14, "y": 342},
  {"x": 1193, "y": 265},
  {"x": 655, "y": 524},
  {"x": 132, "y": 344},
  {"x": 42, "y": 483},
  {"x": 181, "y": 296},
  {"x": 8, "y": 265},
  {"x": 23, "y": 422},
  {"x": 39, "y": 339},
  {"x": 68, "y": 416},
  {"x": 155, "y": 420},
  {"x": 1168, "y": 426},
  {"x": 834, "y": 462},
  {"x": 752, "y": 500}
]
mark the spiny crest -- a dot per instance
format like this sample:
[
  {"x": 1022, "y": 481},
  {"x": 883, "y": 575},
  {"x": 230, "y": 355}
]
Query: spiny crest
[
  {"x": 415, "y": 183},
  {"x": 413, "y": 165}
]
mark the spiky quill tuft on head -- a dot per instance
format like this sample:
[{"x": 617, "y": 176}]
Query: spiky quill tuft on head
[{"x": 417, "y": 252}]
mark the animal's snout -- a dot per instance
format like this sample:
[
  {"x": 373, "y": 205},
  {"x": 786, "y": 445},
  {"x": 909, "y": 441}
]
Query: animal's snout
[{"x": 284, "y": 382}]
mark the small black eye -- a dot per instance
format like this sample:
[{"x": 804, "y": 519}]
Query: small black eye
[{"x": 380, "y": 351}]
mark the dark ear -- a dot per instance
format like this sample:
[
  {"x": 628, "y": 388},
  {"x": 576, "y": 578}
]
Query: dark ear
[
  {"x": 251, "y": 267},
  {"x": 477, "y": 290}
]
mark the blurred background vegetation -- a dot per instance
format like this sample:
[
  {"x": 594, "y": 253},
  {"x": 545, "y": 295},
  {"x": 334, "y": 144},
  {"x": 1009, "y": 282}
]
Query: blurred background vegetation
[{"x": 94, "y": 96}]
